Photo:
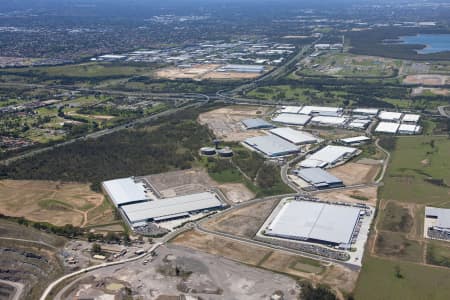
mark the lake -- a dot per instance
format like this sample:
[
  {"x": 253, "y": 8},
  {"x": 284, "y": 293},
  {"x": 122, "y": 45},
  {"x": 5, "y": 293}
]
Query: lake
[{"x": 434, "y": 42}]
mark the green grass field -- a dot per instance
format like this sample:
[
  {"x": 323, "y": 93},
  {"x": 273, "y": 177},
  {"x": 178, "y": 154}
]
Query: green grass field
[
  {"x": 438, "y": 254},
  {"x": 89, "y": 70},
  {"x": 419, "y": 171},
  {"x": 396, "y": 218},
  {"x": 379, "y": 281}
]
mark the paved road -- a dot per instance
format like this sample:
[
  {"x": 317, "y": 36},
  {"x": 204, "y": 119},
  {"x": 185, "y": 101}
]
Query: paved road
[
  {"x": 85, "y": 270},
  {"x": 199, "y": 228},
  {"x": 385, "y": 162},
  {"x": 443, "y": 112}
]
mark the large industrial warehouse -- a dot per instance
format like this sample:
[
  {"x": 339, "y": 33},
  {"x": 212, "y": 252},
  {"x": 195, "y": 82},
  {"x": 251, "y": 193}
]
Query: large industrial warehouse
[
  {"x": 328, "y": 156},
  {"x": 317, "y": 222},
  {"x": 256, "y": 124},
  {"x": 294, "y": 136},
  {"x": 137, "y": 201},
  {"x": 319, "y": 179},
  {"x": 271, "y": 145},
  {"x": 292, "y": 119},
  {"x": 171, "y": 208},
  {"x": 126, "y": 191}
]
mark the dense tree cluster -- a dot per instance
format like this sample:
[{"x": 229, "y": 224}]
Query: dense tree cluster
[{"x": 172, "y": 145}]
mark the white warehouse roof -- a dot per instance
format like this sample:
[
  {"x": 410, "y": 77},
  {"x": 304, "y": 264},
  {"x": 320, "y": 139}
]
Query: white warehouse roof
[
  {"x": 290, "y": 109},
  {"x": 387, "y": 127},
  {"x": 310, "y": 110},
  {"x": 292, "y": 119},
  {"x": 170, "y": 207},
  {"x": 409, "y": 129},
  {"x": 389, "y": 116},
  {"x": 356, "y": 139},
  {"x": 294, "y": 136},
  {"x": 413, "y": 118},
  {"x": 328, "y": 120},
  {"x": 328, "y": 155},
  {"x": 125, "y": 190},
  {"x": 272, "y": 145},
  {"x": 366, "y": 111},
  {"x": 442, "y": 215},
  {"x": 305, "y": 220}
]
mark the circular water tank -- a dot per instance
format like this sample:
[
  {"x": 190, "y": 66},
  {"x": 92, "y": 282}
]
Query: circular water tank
[
  {"x": 208, "y": 151},
  {"x": 225, "y": 152}
]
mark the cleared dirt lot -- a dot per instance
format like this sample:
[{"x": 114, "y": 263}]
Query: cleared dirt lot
[
  {"x": 225, "y": 122},
  {"x": 427, "y": 79},
  {"x": 181, "y": 273},
  {"x": 366, "y": 195},
  {"x": 194, "y": 72},
  {"x": 184, "y": 182},
  {"x": 337, "y": 277},
  {"x": 202, "y": 71},
  {"x": 355, "y": 173},
  {"x": 48, "y": 201},
  {"x": 236, "y": 192},
  {"x": 245, "y": 221}
]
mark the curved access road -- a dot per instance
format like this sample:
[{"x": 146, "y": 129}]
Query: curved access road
[
  {"x": 85, "y": 270},
  {"x": 385, "y": 162}
]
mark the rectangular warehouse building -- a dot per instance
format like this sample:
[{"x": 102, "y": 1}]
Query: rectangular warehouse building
[
  {"x": 290, "y": 109},
  {"x": 126, "y": 191},
  {"x": 328, "y": 156},
  {"x": 387, "y": 127},
  {"x": 366, "y": 111},
  {"x": 321, "y": 111},
  {"x": 292, "y": 119},
  {"x": 319, "y": 178},
  {"x": 357, "y": 140},
  {"x": 256, "y": 124},
  {"x": 315, "y": 222},
  {"x": 294, "y": 136},
  {"x": 409, "y": 129},
  {"x": 328, "y": 121},
  {"x": 242, "y": 68},
  {"x": 390, "y": 116},
  {"x": 271, "y": 145},
  {"x": 171, "y": 208}
]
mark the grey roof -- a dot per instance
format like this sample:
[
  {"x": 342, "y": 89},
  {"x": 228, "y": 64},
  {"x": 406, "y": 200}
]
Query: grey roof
[
  {"x": 318, "y": 177},
  {"x": 125, "y": 190},
  {"x": 294, "y": 136},
  {"x": 327, "y": 155},
  {"x": 256, "y": 123},
  {"x": 315, "y": 220},
  {"x": 292, "y": 119},
  {"x": 442, "y": 214},
  {"x": 165, "y": 208},
  {"x": 272, "y": 145}
]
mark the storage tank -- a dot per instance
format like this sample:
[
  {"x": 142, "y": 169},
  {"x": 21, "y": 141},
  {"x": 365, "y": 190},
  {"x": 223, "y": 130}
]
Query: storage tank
[
  {"x": 225, "y": 152},
  {"x": 208, "y": 151}
]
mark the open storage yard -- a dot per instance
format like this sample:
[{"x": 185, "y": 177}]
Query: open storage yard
[
  {"x": 177, "y": 271},
  {"x": 53, "y": 202},
  {"x": 225, "y": 122}
]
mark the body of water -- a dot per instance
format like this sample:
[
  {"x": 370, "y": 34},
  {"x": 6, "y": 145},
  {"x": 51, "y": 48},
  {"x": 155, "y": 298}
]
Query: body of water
[{"x": 434, "y": 42}]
